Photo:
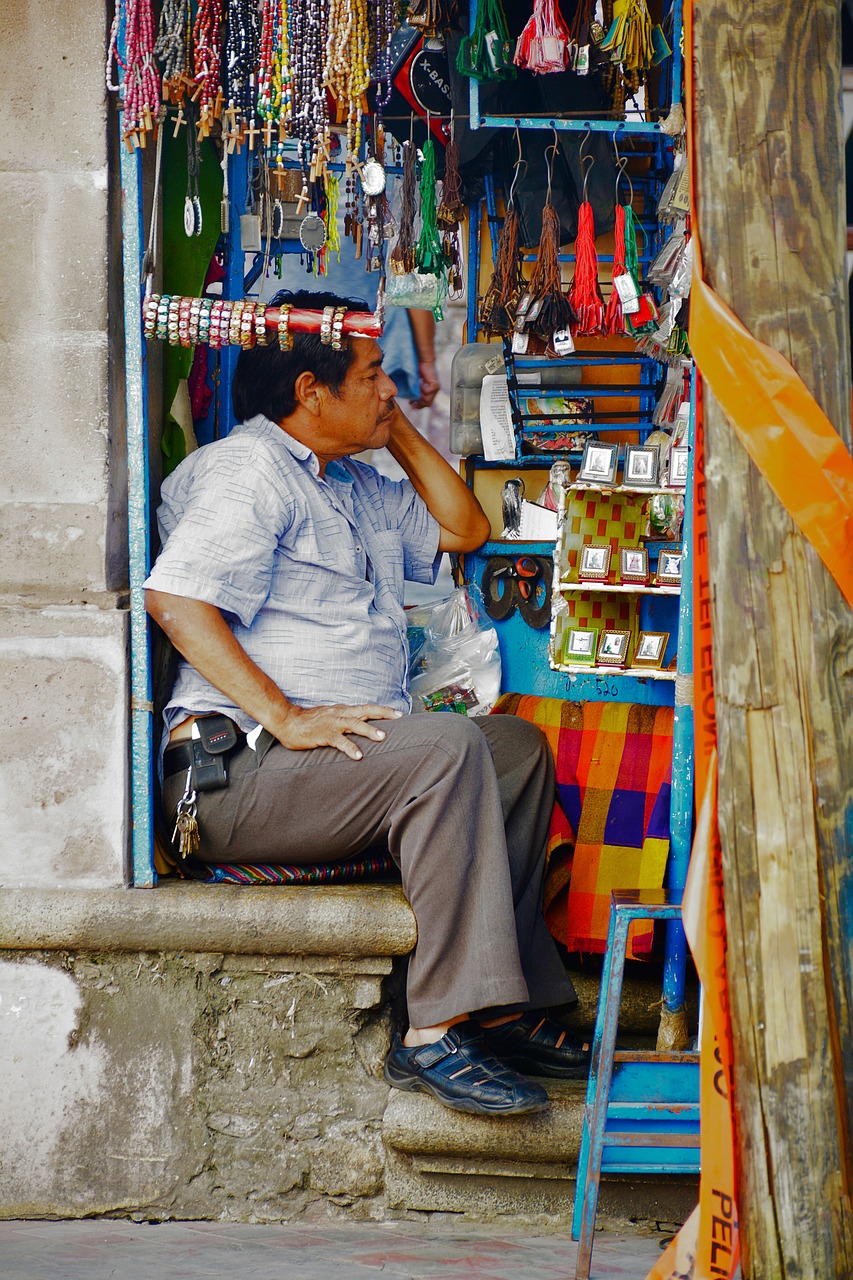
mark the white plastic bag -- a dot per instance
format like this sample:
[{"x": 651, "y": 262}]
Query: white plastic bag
[{"x": 455, "y": 663}]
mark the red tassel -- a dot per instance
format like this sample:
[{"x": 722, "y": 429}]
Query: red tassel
[
  {"x": 614, "y": 319},
  {"x": 584, "y": 291}
]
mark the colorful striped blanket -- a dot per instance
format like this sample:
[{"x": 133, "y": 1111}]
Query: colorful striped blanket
[{"x": 610, "y": 829}]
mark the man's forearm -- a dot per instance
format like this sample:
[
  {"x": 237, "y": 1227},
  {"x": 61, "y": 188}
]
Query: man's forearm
[
  {"x": 199, "y": 632},
  {"x": 464, "y": 525}
]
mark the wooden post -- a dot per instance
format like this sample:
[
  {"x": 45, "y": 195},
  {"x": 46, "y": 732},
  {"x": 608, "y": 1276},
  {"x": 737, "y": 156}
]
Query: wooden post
[{"x": 770, "y": 193}]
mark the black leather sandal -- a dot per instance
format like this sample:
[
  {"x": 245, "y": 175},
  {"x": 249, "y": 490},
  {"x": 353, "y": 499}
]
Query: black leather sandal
[
  {"x": 460, "y": 1071},
  {"x": 536, "y": 1045}
]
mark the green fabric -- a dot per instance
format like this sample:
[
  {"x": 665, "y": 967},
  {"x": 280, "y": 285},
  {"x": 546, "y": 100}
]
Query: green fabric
[{"x": 185, "y": 263}]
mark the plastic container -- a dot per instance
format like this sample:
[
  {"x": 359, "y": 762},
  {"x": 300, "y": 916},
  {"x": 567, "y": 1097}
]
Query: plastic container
[{"x": 470, "y": 365}]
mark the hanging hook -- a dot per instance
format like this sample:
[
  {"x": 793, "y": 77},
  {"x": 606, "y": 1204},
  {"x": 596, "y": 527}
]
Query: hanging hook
[
  {"x": 516, "y": 169},
  {"x": 552, "y": 151},
  {"x": 586, "y": 162},
  {"x": 622, "y": 172}
]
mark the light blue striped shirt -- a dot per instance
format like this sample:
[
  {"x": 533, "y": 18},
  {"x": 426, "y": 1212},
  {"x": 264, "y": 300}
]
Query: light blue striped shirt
[{"x": 308, "y": 571}]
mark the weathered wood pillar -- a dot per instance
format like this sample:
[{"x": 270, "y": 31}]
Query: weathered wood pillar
[{"x": 770, "y": 173}]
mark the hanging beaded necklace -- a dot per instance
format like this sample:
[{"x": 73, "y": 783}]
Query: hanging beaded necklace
[
  {"x": 347, "y": 75},
  {"x": 172, "y": 46},
  {"x": 140, "y": 83},
  {"x": 308, "y": 36},
  {"x": 241, "y": 60},
  {"x": 274, "y": 79},
  {"x": 206, "y": 61},
  {"x": 384, "y": 24}
]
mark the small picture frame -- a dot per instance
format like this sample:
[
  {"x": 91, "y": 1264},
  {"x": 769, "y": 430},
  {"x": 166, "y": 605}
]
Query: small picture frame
[
  {"x": 613, "y": 648},
  {"x": 594, "y": 563},
  {"x": 669, "y": 568},
  {"x": 641, "y": 466},
  {"x": 599, "y": 463},
  {"x": 678, "y": 464},
  {"x": 634, "y": 564},
  {"x": 580, "y": 646},
  {"x": 651, "y": 646}
]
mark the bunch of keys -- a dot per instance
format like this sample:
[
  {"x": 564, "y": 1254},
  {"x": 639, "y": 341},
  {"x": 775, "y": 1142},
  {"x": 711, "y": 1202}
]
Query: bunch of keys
[{"x": 186, "y": 820}]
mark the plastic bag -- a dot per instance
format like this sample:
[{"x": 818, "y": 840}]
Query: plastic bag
[
  {"x": 455, "y": 663},
  {"x": 413, "y": 289}
]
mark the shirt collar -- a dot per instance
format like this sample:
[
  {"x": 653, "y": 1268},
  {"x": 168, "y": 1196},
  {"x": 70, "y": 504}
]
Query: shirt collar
[{"x": 261, "y": 425}]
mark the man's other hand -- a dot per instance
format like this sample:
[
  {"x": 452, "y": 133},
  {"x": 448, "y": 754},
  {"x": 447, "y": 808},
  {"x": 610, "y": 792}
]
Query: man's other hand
[
  {"x": 429, "y": 384},
  {"x": 308, "y": 727}
]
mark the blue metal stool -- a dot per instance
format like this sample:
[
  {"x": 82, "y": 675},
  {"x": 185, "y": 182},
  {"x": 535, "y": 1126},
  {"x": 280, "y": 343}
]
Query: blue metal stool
[{"x": 642, "y": 1107}]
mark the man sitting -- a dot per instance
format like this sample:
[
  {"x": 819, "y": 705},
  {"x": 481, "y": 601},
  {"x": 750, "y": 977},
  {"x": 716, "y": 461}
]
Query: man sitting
[{"x": 280, "y": 582}]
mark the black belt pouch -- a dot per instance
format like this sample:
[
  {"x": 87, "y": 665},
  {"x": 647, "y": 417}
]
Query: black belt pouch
[{"x": 218, "y": 736}]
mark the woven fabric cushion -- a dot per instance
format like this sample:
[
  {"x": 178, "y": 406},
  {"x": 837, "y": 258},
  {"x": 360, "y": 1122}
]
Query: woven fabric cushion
[{"x": 364, "y": 867}]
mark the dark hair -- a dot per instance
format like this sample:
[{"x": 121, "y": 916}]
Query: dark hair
[{"x": 265, "y": 377}]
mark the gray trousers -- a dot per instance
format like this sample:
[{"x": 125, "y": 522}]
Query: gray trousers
[{"x": 464, "y": 806}]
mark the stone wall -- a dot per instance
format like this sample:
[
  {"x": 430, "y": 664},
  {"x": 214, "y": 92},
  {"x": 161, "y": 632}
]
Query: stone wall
[
  {"x": 192, "y": 1086},
  {"x": 196, "y": 1053},
  {"x": 63, "y": 633}
]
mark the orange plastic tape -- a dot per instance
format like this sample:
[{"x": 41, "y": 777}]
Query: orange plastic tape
[
  {"x": 708, "y": 1245},
  {"x": 777, "y": 419}
]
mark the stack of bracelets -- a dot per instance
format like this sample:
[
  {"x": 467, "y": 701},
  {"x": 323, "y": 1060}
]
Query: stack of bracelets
[{"x": 218, "y": 322}]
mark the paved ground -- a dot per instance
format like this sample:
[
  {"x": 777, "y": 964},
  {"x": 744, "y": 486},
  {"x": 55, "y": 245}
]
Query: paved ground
[{"x": 107, "y": 1250}]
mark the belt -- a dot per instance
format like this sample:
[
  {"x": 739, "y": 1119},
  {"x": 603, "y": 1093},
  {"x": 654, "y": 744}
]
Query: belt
[{"x": 177, "y": 757}]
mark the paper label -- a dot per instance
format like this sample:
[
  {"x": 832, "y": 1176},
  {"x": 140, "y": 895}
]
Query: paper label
[
  {"x": 496, "y": 419},
  {"x": 519, "y": 343},
  {"x": 582, "y": 60},
  {"x": 538, "y": 523},
  {"x": 628, "y": 293},
  {"x": 562, "y": 342}
]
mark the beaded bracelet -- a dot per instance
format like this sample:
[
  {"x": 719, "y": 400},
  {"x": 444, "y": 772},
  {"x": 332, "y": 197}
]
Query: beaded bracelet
[
  {"x": 162, "y": 330},
  {"x": 225, "y": 322},
  {"x": 338, "y": 328},
  {"x": 204, "y": 320},
  {"x": 326, "y": 325},
  {"x": 261, "y": 336},
  {"x": 236, "y": 320},
  {"x": 173, "y": 319},
  {"x": 149, "y": 315},
  {"x": 247, "y": 326},
  {"x": 195, "y": 313},
  {"x": 215, "y": 319},
  {"x": 285, "y": 337},
  {"x": 184, "y": 321}
]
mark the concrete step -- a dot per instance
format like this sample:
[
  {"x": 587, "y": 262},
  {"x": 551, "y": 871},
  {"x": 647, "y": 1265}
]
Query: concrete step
[
  {"x": 520, "y": 1167},
  {"x": 524, "y": 1168}
]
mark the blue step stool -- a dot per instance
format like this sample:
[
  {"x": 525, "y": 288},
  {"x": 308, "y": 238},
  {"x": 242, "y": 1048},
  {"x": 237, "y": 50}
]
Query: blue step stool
[{"x": 642, "y": 1107}]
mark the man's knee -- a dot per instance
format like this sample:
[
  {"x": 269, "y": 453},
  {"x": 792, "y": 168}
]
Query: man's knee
[{"x": 513, "y": 735}]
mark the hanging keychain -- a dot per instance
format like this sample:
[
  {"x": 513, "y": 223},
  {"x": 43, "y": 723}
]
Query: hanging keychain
[
  {"x": 585, "y": 291},
  {"x": 192, "y": 203},
  {"x": 429, "y": 257},
  {"x": 543, "y": 45},
  {"x": 499, "y": 306},
  {"x": 545, "y": 308},
  {"x": 487, "y": 53},
  {"x": 403, "y": 254},
  {"x": 625, "y": 297}
]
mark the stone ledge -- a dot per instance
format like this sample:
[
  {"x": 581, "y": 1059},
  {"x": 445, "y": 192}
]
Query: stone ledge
[
  {"x": 338, "y": 920},
  {"x": 421, "y": 1127}
]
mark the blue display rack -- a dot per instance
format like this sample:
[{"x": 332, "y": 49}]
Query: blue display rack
[{"x": 639, "y": 1085}]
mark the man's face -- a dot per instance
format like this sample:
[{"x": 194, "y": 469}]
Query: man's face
[{"x": 359, "y": 417}]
